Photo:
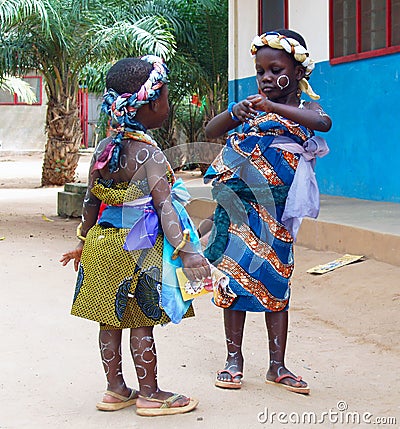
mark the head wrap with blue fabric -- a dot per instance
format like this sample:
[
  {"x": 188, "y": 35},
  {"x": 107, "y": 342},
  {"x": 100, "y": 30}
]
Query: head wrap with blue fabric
[{"x": 122, "y": 109}]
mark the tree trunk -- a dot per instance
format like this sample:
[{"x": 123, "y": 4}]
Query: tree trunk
[{"x": 63, "y": 141}]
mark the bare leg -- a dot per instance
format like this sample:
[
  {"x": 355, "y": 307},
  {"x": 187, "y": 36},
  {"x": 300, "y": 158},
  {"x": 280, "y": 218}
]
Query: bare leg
[
  {"x": 234, "y": 325},
  {"x": 277, "y": 325},
  {"x": 110, "y": 350},
  {"x": 143, "y": 350}
]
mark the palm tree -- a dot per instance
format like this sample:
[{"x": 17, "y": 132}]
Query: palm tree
[
  {"x": 199, "y": 66},
  {"x": 63, "y": 39},
  {"x": 58, "y": 38},
  {"x": 186, "y": 75}
]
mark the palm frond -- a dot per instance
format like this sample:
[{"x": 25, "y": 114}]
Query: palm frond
[
  {"x": 14, "y": 11},
  {"x": 123, "y": 39},
  {"x": 94, "y": 77},
  {"x": 18, "y": 86},
  {"x": 173, "y": 11}
]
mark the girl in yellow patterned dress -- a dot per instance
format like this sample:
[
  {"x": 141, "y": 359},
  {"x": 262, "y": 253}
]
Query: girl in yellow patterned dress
[{"x": 129, "y": 218}]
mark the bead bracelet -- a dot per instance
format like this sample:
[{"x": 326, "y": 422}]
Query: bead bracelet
[
  {"x": 230, "y": 111},
  {"x": 181, "y": 245},
  {"x": 79, "y": 233}
]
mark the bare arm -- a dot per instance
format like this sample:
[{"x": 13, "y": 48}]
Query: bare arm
[
  {"x": 196, "y": 266},
  {"x": 90, "y": 212},
  {"x": 224, "y": 122},
  {"x": 220, "y": 124},
  {"x": 91, "y": 204},
  {"x": 311, "y": 116}
]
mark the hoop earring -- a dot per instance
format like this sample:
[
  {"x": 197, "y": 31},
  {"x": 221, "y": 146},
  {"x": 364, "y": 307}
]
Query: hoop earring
[{"x": 282, "y": 87}]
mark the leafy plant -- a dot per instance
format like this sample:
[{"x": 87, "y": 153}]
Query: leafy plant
[{"x": 74, "y": 42}]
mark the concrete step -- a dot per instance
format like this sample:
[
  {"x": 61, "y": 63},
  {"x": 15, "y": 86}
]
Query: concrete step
[
  {"x": 70, "y": 200},
  {"x": 344, "y": 225},
  {"x": 77, "y": 188},
  {"x": 350, "y": 225}
]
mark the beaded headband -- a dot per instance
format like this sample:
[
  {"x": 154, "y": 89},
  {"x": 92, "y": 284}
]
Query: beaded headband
[{"x": 292, "y": 47}]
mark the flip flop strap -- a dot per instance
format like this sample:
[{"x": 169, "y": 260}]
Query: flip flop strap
[
  {"x": 120, "y": 397},
  {"x": 166, "y": 403},
  {"x": 281, "y": 377},
  {"x": 232, "y": 374}
]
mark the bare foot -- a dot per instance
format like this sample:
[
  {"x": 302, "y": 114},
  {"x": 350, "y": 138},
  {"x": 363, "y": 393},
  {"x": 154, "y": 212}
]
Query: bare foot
[
  {"x": 231, "y": 366},
  {"x": 288, "y": 381},
  {"x": 284, "y": 378}
]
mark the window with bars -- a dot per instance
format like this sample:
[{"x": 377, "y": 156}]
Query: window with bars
[
  {"x": 272, "y": 15},
  {"x": 35, "y": 83},
  {"x": 363, "y": 28}
]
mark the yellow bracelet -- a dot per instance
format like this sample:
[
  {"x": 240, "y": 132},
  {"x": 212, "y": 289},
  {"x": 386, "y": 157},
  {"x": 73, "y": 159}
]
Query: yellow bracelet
[
  {"x": 181, "y": 245},
  {"x": 79, "y": 233}
]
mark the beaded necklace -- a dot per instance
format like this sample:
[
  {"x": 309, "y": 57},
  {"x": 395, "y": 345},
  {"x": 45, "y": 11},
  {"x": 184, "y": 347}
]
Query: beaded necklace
[{"x": 139, "y": 136}]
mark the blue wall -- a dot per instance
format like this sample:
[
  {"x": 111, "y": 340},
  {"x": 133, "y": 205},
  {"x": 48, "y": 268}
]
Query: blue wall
[{"x": 363, "y": 100}]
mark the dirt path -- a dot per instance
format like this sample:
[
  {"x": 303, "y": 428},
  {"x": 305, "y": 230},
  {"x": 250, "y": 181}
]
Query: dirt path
[{"x": 344, "y": 339}]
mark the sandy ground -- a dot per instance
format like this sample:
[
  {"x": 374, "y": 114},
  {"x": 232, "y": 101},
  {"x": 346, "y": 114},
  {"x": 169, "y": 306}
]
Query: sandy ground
[{"x": 343, "y": 339}]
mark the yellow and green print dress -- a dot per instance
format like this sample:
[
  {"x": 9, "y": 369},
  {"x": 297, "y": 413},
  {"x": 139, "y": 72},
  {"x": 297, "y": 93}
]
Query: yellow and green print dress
[{"x": 117, "y": 287}]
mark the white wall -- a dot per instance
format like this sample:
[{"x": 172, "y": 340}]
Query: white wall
[
  {"x": 22, "y": 127},
  {"x": 94, "y": 108},
  {"x": 243, "y": 26},
  {"x": 310, "y": 18}
]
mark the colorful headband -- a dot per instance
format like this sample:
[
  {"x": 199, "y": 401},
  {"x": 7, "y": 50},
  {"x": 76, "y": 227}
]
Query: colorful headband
[
  {"x": 122, "y": 109},
  {"x": 291, "y": 46}
]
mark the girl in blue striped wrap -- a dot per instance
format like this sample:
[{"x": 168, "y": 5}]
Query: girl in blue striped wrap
[
  {"x": 262, "y": 196},
  {"x": 133, "y": 223}
]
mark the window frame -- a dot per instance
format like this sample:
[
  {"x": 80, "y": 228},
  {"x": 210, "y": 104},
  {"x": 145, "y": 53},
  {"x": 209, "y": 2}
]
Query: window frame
[
  {"x": 16, "y": 102},
  {"x": 389, "y": 49},
  {"x": 260, "y": 14}
]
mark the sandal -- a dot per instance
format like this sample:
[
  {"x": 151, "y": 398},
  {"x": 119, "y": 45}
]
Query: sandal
[
  {"x": 115, "y": 406},
  {"x": 166, "y": 408},
  {"x": 296, "y": 389},
  {"x": 229, "y": 384}
]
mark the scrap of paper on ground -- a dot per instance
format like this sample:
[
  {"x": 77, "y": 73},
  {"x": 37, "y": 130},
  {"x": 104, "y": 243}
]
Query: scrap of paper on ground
[{"x": 337, "y": 263}]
